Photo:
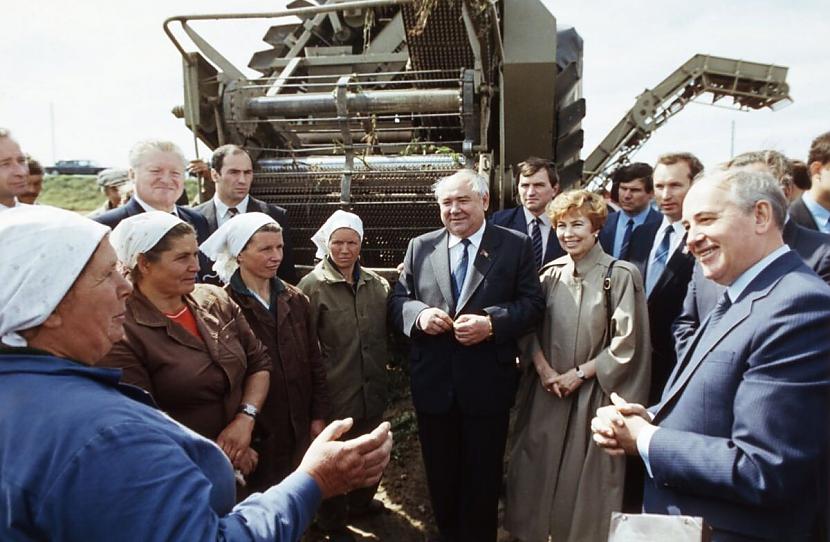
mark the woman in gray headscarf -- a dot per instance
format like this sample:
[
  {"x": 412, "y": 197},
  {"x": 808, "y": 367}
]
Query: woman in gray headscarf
[
  {"x": 348, "y": 313},
  {"x": 85, "y": 458}
]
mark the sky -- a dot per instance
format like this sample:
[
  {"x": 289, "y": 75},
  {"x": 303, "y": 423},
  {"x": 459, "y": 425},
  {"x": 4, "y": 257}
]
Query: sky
[{"x": 105, "y": 75}]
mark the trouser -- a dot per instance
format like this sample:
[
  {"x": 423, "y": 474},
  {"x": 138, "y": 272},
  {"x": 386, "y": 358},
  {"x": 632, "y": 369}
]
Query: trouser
[
  {"x": 463, "y": 458},
  {"x": 334, "y": 512}
]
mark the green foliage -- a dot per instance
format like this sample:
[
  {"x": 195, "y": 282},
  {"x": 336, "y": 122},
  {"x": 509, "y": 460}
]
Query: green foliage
[{"x": 80, "y": 193}]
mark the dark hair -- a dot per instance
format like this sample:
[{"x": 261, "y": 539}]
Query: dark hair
[
  {"x": 671, "y": 158},
  {"x": 820, "y": 150},
  {"x": 533, "y": 165},
  {"x": 164, "y": 244},
  {"x": 34, "y": 166},
  {"x": 632, "y": 172},
  {"x": 270, "y": 228},
  {"x": 801, "y": 175},
  {"x": 218, "y": 158}
]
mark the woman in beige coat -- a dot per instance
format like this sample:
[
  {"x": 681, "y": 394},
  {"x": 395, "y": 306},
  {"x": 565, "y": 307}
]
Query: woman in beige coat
[{"x": 559, "y": 485}]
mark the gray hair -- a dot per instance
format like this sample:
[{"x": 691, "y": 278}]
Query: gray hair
[
  {"x": 477, "y": 183},
  {"x": 4, "y": 132},
  {"x": 141, "y": 149},
  {"x": 749, "y": 187},
  {"x": 778, "y": 164}
]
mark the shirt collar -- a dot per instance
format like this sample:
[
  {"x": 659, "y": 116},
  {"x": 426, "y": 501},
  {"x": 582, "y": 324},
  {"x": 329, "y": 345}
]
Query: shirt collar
[
  {"x": 639, "y": 218},
  {"x": 529, "y": 217},
  {"x": 739, "y": 284},
  {"x": 222, "y": 209},
  {"x": 475, "y": 238},
  {"x": 677, "y": 226},
  {"x": 149, "y": 208},
  {"x": 820, "y": 213}
]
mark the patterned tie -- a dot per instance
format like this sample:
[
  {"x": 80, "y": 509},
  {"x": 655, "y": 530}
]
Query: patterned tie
[
  {"x": 232, "y": 212},
  {"x": 629, "y": 227},
  {"x": 661, "y": 256},
  {"x": 460, "y": 272},
  {"x": 536, "y": 237},
  {"x": 717, "y": 313}
]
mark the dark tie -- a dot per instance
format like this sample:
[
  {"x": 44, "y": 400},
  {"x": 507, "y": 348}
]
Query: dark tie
[
  {"x": 629, "y": 227},
  {"x": 661, "y": 256},
  {"x": 460, "y": 272},
  {"x": 536, "y": 237},
  {"x": 232, "y": 212},
  {"x": 717, "y": 313}
]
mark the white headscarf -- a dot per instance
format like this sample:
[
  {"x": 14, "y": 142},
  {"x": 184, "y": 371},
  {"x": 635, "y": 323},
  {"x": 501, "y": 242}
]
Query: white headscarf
[
  {"x": 228, "y": 241},
  {"x": 44, "y": 250},
  {"x": 340, "y": 219},
  {"x": 138, "y": 234}
]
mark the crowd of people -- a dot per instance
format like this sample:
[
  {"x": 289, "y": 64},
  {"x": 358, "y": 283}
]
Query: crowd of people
[{"x": 664, "y": 347}]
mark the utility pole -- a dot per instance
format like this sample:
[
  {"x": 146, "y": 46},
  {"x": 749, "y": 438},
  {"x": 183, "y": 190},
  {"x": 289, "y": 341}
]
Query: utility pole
[
  {"x": 732, "y": 142},
  {"x": 52, "y": 130}
]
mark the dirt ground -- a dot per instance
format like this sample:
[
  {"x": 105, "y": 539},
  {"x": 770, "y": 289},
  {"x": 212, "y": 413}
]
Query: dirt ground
[{"x": 403, "y": 489}]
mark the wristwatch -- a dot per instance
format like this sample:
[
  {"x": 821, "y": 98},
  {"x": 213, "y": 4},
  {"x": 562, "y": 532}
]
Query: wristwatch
[
  {"x": 248, "y": 409},
  {"x": 580, "y": 373}
]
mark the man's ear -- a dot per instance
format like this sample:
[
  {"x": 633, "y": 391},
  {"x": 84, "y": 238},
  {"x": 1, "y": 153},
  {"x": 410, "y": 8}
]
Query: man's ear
[
  {"x": 214, "y": 175},
  {"x": 763, "y": 216},
  {"x": 485, "y": 200}
]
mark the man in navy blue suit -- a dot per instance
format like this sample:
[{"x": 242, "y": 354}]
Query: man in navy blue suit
[
  {"x": 537, "y": 184},
  {"x": 157, "y": 171},
  {"x": 740, "y": 434},
  {"x": 466, "y": 294},
  {"x": 632, "y": 186}
]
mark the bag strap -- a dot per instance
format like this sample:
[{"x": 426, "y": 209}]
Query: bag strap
[{"x": 606, "y": 286}]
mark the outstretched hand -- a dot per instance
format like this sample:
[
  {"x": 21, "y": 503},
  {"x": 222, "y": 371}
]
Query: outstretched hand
[{"x": 339, "y": 467}]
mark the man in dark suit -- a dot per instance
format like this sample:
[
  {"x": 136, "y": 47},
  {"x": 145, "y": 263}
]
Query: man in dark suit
[
  {"x": 538, "y": 184},
  {"x": 466, "y": 294},
  {"x": 632, "y": 187},
  {"x": 812, "y": 209},
  {"x": 157, "y": 171},
  {"x": 740, "y": 434},
  {"x": 232, "y": 172},
  {"x": 658, "y": 251}
]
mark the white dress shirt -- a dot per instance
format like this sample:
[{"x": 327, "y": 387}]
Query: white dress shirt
[
  {"x": 676, "y": 236},
  {"x": 222, "y": 215},
  {"x": 149, "y": 208},
  {"x": 544, "y": 228}
]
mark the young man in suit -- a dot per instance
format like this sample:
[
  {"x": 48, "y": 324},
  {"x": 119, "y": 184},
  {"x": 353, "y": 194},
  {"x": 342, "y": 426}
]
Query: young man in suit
[
  {"x": 157, "y": 172},
  {"x": 466, "y": 294},
  {"x": 537, "y": 183},
  {"x": 812, "y": 209},
  {"x": 632, "y": 187},
  {"x": 740, "y": 434},
  {"x": 232, "y": 172}
]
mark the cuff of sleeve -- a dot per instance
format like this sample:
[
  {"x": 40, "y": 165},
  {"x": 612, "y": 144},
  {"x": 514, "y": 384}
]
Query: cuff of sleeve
[{"x": 643, "y": 441}]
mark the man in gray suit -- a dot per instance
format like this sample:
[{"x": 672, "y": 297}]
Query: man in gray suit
[
  {"x": 740, "y": 434},
  {"x": 232, "y": 171},
  {"x": 466, "y": 294}
]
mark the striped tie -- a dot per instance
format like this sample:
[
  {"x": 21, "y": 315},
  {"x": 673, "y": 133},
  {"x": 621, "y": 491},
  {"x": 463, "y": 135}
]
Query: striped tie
[
  {"x": 536, "y": 237},
  {"x": 629, "y": 227},
  {"x": 232, "y": 212},
  {"x": 460, "y": 272},
  {"x": 661, "y": 256}
]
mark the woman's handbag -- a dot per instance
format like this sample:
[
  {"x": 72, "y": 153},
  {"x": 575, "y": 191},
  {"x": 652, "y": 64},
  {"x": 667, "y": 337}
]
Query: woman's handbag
[{"x": 657, "y": 528}]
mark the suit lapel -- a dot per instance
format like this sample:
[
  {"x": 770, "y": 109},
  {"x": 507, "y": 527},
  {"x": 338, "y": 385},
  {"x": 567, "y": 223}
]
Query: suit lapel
[
  {"x": 677, "y": 260},
  {"x": 440, "y": 260},
  {"x": 481, "y": 265},
  {"x": 134, "y": 208},
  {"x": 210, "y": 215}
]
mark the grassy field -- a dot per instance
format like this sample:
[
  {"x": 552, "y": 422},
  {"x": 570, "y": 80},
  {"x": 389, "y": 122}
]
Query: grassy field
[{"x": 81, "y": 193}]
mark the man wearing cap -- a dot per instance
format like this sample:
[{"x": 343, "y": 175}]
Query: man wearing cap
[
  {"x": 232, "y": 171},
  {"x": 13, "y": 171},
  {"x": 114, "y": 183}
]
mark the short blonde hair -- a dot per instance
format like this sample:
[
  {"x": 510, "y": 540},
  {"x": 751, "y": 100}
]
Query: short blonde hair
[{"x": 581, "y": 201}]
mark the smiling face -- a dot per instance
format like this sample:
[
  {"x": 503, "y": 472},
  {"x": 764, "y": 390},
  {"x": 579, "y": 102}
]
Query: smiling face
[
  {"x": 671, "y": 183},
  {"x": 262, "y": 256},
  {"x": 174, "y": 272},
  {"x": 234, "y": 181},
  {"x": 462, "y": 209},
  {"x": 344, "y": 249},
  {"x": 576, "y": 234},
  {"x": 535, "y": 191},
  {"x": 13, "y": 171},
  {"x": 159, "y": 179},
  {"x": 90, "y": 318},
  {"x": 720, "y": 235}
]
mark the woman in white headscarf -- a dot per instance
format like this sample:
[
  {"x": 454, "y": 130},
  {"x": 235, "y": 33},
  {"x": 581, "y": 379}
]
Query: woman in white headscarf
[
  {"x": 83, "y": 457},
  {"x": 348, "y": 313},
  {"x": 248, "y": 251},
  {"x": 188, "y": 344}
]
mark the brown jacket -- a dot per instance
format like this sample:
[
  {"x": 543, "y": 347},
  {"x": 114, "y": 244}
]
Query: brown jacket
[
  {"x": 198, "y": 383},
  {"x": 298, "y": 392}
]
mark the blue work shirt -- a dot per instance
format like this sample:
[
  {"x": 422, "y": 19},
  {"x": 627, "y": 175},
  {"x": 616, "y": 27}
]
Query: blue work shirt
[{"x": 85, "y": 458}]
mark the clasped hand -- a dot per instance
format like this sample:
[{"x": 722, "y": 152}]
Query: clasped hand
[
  {"x": 616, "y": 426},
  {"x": 469, "y": 329},
  {"x": 561, "y": 385}
]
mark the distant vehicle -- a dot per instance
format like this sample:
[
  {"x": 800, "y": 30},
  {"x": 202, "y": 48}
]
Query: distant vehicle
[{"x": 74, "y": 167}]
